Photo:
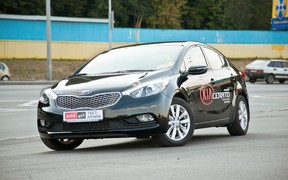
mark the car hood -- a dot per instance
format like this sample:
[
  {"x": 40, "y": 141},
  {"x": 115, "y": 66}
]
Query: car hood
[{"x": 118, "y": 82}]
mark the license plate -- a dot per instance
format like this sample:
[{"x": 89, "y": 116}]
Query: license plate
[{"x": 83, "y": 116}]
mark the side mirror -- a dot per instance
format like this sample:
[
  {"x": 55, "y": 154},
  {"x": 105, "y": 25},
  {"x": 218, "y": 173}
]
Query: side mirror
[{"x": 194, "y": 70}]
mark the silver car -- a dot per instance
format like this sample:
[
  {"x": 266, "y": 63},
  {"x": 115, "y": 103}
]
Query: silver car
[{"x": 269, "y": 70}]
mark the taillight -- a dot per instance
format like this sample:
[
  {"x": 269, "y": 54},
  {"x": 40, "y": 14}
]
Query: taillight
[
  {"x": 260, "y": 71},
  {"x": 242, "y": 74}
]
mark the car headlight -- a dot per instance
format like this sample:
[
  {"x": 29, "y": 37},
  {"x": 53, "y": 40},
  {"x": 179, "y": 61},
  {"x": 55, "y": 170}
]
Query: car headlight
[
  {"x": 147, "y": 89},
  {"x": 45, "y": 94}
]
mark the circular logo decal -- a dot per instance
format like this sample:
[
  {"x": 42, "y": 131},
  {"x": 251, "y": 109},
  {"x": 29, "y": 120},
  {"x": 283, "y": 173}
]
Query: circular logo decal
[{"x": 206, "y": 94}]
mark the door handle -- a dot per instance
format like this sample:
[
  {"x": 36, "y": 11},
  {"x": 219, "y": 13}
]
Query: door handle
[{"x": 275, "y": 69}]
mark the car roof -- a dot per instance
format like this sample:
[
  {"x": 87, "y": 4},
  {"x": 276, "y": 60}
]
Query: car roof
[
  {"x": 282, "y": 60},
  {"x": 181, "y": 43},
  {"x": 268, "y": 60}
]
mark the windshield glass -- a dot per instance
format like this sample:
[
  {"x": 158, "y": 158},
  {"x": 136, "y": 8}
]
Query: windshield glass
[{"x": 137, "y": 58}]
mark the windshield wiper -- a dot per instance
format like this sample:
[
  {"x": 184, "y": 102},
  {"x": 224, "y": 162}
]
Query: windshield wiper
[
  {"x": 132, "y": 70},
  {"x": 115, "y": 72},
  {"x": 81, "y": 74}
]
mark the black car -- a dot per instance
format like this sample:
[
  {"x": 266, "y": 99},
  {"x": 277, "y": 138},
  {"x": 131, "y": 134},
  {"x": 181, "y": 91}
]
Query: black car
[{"x": 158, "y": 90}]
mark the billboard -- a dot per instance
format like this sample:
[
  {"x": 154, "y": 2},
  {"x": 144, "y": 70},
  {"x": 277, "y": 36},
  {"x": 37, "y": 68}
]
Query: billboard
[{"x": 279, "y": 19}]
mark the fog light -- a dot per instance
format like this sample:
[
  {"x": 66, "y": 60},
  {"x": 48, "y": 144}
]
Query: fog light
[
  {"x": 145, "y": 118},
  {"x": 42, "y": 122}
]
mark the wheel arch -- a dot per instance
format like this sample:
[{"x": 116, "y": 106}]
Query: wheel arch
[
  {"x": 181, "y": 93},
  {"x": 182, "y": 96},
  {"x": 2, "y": 77},
  {"x": 246, "y": 97}
]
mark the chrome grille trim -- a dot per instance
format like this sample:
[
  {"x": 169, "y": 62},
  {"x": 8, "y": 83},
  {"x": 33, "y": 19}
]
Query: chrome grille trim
[{"x": 96, "y": 101}]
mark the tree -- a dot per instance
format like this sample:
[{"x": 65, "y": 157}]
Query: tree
[
  {"x": 69, "y": 8},
  {"x": 205, "y": 14},
  {"x": 24, "y": 7},
  {"x": 176, "y": 14},
  {"x": 247, "y": 14},
  {"x": 166, "y": 14}
]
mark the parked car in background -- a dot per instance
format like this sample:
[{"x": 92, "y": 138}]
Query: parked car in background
[
  {"x": 269, "y": 70},
  {"x": 4, "y": 72},
  {"x": 163, "y": 90}
]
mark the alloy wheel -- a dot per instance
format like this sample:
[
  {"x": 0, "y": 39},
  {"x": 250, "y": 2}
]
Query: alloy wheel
[
  {"x": 243, "y": 116},
  {"x": 179, "y": 123}
]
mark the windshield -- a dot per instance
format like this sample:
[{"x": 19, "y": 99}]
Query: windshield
[{"x": 135, "y": 58}]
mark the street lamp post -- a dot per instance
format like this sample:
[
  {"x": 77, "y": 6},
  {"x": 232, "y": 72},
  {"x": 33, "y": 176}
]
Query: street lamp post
[
  {"x": 48, "y": 37},
  {"x": 111, "y": 20}
]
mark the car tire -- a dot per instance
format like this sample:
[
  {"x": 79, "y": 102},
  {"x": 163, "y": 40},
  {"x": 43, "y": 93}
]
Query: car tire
[
  {"x": 241, "y": 121},
  {"x": 281, "y": 81},
  {"x": 252, "y": 80},
  {"x": 270, "y": 78},
  {"x": 62, "y": 144},
  {"x": 5, "y": 78},
  {"x": 180, "y": 125}
]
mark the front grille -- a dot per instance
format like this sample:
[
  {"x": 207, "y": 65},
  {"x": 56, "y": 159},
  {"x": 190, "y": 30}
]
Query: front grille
[
  {"x": 97, "y": 101},
  {"x": 106, "y": 125}
]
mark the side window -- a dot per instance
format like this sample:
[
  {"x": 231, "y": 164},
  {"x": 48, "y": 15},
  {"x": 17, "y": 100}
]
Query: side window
[
  {"x": 224, "y": 61},
  {"x": 213, "y": 59},
  {"x": 194, "y": 57},
  {"x": 276, "y": 64},
  {"x": 271, "y": 64},
  {"x": 285, "y": 64},
  {"x": 2, "y": 67}
]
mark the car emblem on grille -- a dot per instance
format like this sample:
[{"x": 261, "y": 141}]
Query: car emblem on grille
[{"x": 85, "y": 92}]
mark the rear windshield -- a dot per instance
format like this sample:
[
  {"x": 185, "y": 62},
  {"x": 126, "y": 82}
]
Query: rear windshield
[{"x": 259, "y": 62}]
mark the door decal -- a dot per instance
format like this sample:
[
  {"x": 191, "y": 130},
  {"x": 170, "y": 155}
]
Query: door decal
[{"x": 206, "y": 94}]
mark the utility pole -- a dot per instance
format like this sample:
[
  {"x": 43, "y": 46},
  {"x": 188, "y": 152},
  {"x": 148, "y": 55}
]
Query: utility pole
[
  {"x": 48, "y": 37},
  {"x": 111, "y": 21}
]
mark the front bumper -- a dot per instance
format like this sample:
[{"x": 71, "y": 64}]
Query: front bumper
[{"x": 119, "y": 120}]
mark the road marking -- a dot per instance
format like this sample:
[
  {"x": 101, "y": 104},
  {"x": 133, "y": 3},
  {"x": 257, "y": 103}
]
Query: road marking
[
  {"x": 16, "y": 110},
  {"x": 30, "y": 103},
  {"x": 255, "y": 96},
  {"x": 14, "y": 100},
  {"x": 15, "y": 138}
]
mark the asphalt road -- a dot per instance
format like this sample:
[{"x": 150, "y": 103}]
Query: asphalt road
[{"x": 211, "y": 154}]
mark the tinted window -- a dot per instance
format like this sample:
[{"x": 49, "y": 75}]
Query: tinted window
[
  {"x": 213, "y": 58},
  {"x": 275, "y": 64},
  {"x": 194, "y": 57}
]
